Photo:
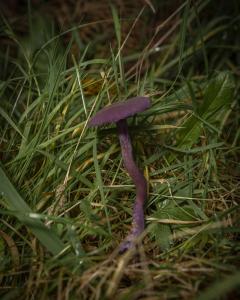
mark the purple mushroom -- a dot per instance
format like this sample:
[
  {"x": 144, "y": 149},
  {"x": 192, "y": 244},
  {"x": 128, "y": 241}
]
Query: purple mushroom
[{"x": 118, "y": 113}]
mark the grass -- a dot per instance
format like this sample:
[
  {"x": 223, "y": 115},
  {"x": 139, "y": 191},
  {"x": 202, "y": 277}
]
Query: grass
[{"x": 66, "y": 199}]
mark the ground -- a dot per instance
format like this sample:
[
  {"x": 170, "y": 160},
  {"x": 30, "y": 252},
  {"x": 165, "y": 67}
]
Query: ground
[{"x": 66, "y": 198}]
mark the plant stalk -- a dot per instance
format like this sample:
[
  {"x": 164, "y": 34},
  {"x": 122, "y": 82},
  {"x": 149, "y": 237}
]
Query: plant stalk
[{"x": 140, "y": 183}]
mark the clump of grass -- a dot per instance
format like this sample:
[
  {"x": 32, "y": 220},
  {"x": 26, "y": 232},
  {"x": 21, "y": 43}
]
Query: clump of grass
[{"x": 66, "y": 200}]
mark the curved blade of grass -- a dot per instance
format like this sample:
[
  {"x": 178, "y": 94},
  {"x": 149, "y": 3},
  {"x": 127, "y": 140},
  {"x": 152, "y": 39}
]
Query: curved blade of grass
[
  {"x": 10, "y": 121},
  {"x": 15, "y": 202}
]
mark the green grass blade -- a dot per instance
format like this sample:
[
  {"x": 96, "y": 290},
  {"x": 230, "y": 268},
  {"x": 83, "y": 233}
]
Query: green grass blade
[
  {"x": 10, "y": 121},
  {"x": 117, "y": 24},
  {"x": 15, "y": 202},
  {"x": 183, "y": 32},
  {"x": 100, "y": 183}
]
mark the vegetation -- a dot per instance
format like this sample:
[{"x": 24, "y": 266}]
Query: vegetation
[{"x": 66, "y": 199}]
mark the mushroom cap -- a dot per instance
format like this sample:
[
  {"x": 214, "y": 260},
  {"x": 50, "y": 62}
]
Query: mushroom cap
[{"x": 120, "y": 110}]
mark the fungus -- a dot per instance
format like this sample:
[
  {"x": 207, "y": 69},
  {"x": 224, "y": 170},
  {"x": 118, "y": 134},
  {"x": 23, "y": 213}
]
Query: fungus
[{"x": 118, "y": 113}]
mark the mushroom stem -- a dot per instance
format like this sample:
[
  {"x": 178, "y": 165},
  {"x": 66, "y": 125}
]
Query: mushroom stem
[{"x": 140, "y": 183}]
